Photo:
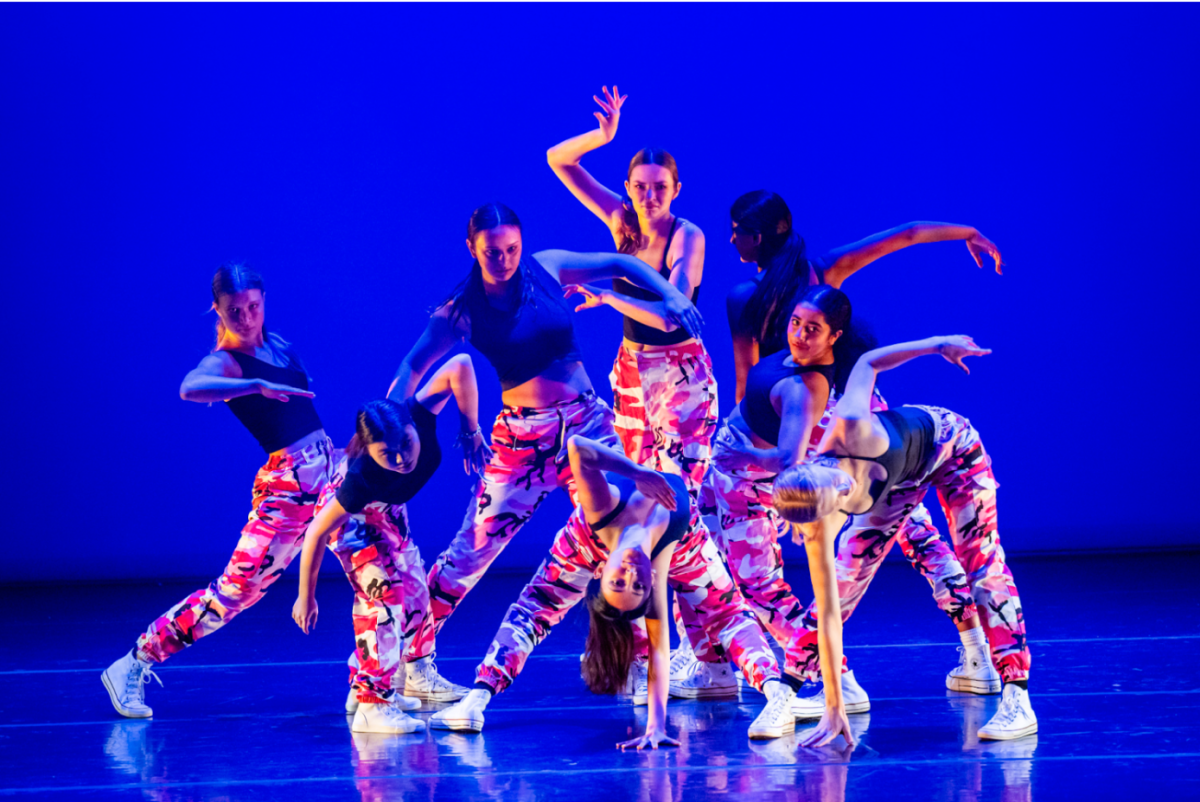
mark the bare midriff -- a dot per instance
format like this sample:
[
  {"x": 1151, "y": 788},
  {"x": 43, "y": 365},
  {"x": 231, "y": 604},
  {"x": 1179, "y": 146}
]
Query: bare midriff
[
  {"x": 632, "y": 346},
  {"x": 562, "y": 381},
  {"x": 303, "y": 443}
]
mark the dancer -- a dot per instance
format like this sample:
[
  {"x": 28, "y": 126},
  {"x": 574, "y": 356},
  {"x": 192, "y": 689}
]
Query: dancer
[
  {"x": 638, "y": 531},
  {"x": 265, "y": 385},
  {"x": 664, "y": 391},
  {"x": 874, "y": 467},
  {"x": 511, "y": 308},
  {"x": 362, "y": 514}
]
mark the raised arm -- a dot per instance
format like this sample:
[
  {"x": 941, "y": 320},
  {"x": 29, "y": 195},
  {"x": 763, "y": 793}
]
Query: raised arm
[
  {"x": 569, "y": 267},
  {"x": 457, "y": 378},
  {"x": 332, "y": 516},
  {"x": 591, "y": 460},
  {"x": 218, "y": 377},
  {"x": 435, "y": 342},
  {"x": 855, "y": 402},
  {"x": 564, "y": 160},
  {"x": 843, "y": 262}
]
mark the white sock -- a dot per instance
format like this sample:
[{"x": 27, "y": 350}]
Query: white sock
[
  {"x": 975, "y": 641},
  {"x": 776, "y": 687}
]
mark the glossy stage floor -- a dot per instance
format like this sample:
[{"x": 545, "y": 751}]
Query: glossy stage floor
[{"x": 255, "y": 711}]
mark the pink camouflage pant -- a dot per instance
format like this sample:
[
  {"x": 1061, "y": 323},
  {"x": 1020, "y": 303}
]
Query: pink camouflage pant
[
  {"x": 529, "y": 461},
  {"x": 284, "y": 503},
  {"x": 391, "y": 597},
  {"x": 961, "y": 471},
  {"x": 709, "y": 600},
  {"x": 665, "y": 402}
]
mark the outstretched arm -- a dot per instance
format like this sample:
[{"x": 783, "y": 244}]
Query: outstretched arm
[
  {"x": 564, "y": 160},
  {"x": 433, "y": 344},
  {"x": 855, "y": 403},
  {"x": 845, "y": 261},
  {"x": 457, "y": 378},
  {"x": 332, "y": 516},
  {"x": 658, "y": 684},
  {"x": 219, "y": 378},
  {"x": 591, "y": 460}
]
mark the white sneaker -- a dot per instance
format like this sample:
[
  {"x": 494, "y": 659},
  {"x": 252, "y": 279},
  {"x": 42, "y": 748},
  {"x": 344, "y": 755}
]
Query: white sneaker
[
  {"x": 126, "y": 681},
  {"x": 1014, "y": 719},
  {"x": 424, "y": 682},
  {"x": 811, "y": 708},
  {"x": 683, "y": 660},
  {"x": 402, "y": 702},
  {"x": 639, "y": 683},
  {"x": 465, "y": 716},
  {"x": 776, "y": 719},
  {"x": 974, "y": 674},
  {"x": 706, "y": 681},
  {"x": 387, "y": 718}
]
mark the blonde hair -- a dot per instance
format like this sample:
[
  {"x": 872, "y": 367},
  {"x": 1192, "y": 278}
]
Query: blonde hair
[{"x": 804, "y": 494}]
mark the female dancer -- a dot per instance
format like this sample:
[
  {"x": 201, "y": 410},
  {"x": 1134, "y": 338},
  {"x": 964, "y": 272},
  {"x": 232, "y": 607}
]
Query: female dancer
[
  {"x": 664, "y": 392},
  {"x": 512, "y": 309},
  {"x": 639, "y": 531},
  {"x": 265, "y": 385},
  {"x": 876, "y": 467},
  {"x": 362, "y": 514}
]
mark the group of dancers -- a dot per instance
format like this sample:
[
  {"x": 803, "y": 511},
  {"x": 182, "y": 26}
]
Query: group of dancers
[{"x": 811, "y": 448}]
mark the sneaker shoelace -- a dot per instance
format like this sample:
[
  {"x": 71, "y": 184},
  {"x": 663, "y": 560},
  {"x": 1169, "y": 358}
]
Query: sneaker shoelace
[
  {"x": 775, "y": 707},
  {"x": 682, "y": 657},
  {"x": 1009, "y": 708},
  {"x": 137, "y": 680}
]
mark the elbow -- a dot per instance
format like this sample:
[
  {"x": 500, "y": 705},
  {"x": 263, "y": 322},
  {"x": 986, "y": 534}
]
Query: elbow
[{"x": 185, "y": 392}]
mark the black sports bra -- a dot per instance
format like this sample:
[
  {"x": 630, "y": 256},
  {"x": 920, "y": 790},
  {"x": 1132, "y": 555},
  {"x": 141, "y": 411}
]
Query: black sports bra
[
  {"x": 757, "y": 411},
  {"x": 911, "y": 441},
  {"x": 678, "y": 523},
  {"x": 639, "y": 332}
]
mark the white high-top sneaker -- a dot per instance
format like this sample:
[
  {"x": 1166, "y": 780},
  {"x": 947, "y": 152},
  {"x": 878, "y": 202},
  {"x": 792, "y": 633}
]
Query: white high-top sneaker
[
  {"x": 639, "y": 683},
  {"x": 706, "y": 681},
  {"x": 384, "y": 718},
  {"x": 682, "y": 660},
  {"x": 776, "y": 719},
  {"x": 1014, "y": 719},
  {"x": 811, "y": 708},
  {"x": 424, "y": 682},
  {"x": 974, "y": 673},
  {"x": 402, "y": 702},
  {"x": 465, "y": 716},
  {"x": 126, "y": 681}
]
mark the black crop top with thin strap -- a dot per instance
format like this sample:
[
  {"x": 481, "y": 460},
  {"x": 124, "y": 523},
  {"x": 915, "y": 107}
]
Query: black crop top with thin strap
[
  {"x": 757, "y": 410},
  {"x": 912, "y": 438},
  {"x": 677, "y": 525},
  {"x": 639, "y": 332},
  {"x": 523, "y": 343},
  {"x": 274, "y": 424}
]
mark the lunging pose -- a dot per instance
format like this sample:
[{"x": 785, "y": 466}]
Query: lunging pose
[
  {"x": 875, "y": 467},
  {"x": 362, "y": 515},
  {"x": 511, "y": 308},
  {"x": 639, "y": 531},
  {"x": 265, "y": 385}
]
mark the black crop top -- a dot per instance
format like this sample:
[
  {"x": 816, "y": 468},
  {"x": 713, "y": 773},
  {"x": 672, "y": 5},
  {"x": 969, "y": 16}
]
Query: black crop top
[
  {"x": 640, "y": 332},
  {"x": 677, "y": 525},
  {"x": 366, "y": 481},
  {"x": 757, "y": 410},
  {"x": 911, "y": 441},
  {"x": 274, "y": 424},
  {"x": 523, "y": 343}
]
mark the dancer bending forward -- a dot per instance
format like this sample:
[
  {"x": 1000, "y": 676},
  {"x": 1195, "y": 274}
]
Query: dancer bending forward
[
  {"x": 874, "y": 467},
  {"x": 362, "y": 514},
  {"x": 638, "y": 531},
  {"x": 263, "y": 382}
]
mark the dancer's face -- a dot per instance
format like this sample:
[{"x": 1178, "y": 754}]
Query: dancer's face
[
  {"x": 651, "y": 188},
  {"x": 399, "y": 453},
  {"x": 498, "y": 251},
  {"x": 746, "y": 243},
  {"x": 242, "y": 313},
  {"x": 626, "y": 580},
  {"x": 809, "y": 337}
]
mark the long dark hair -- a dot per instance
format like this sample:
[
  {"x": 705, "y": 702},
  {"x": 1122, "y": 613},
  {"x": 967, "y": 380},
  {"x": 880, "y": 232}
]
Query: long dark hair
[
  {"x": 631, "y": 232},
  {"x": 485, "y": 218},
  {"x": 235, "y": 277},
  {"x": 856, "y": 338},
  {"x": 608, "y": 655},
  {"x": 781, "y": 257},
  {"x": 377, "y": 421}
]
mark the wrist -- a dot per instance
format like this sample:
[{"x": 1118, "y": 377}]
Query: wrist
[{"x": 258, "y": 385}]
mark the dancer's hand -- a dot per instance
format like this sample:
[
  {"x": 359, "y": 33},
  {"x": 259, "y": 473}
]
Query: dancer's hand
[
  {"x": 280, "y": 392},
  {"x": 979, "y": 245},
  {"x": 611, "y": 114},
  {"x": 683, "y": 313},
  {"x": 737, "y": 448},
  {"x": 655, "y": 487},
  {"x": 957, "y": 347},
  {"x": 831, "y": 725},
  {"x": 476, "y": 452},
  {"x": 592, "y": 296},
  {"x": 651, "y": 740},
  {"x": 304, "y": 613}
]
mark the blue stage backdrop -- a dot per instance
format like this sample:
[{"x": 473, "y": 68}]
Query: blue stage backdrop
[{"x": 340, "y": 150}]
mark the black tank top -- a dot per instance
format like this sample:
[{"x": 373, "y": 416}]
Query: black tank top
[
  {"x": 274, "y": 424},
  {"x": 523, "y": 343},
  {"x": 911, "y": 441},
  {"x": 639, "y": 332},
  {"x": 757, "y": 410},
  {"x": 677, "y": 524}
]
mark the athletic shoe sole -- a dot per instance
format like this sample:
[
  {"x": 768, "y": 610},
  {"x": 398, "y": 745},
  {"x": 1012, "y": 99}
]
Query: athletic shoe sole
[
  {"x": 719, "y": 692},
  {"x": 466, "y": 724},
  {"x": 116, "y": 700},
  {"x": 773, "y": 732},
  {"x": 980, "y": 687},
  {"x": 389, "y": 730},
  {"x": 435, "y": 696},
  {"x": 1008, "y": 736}
]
